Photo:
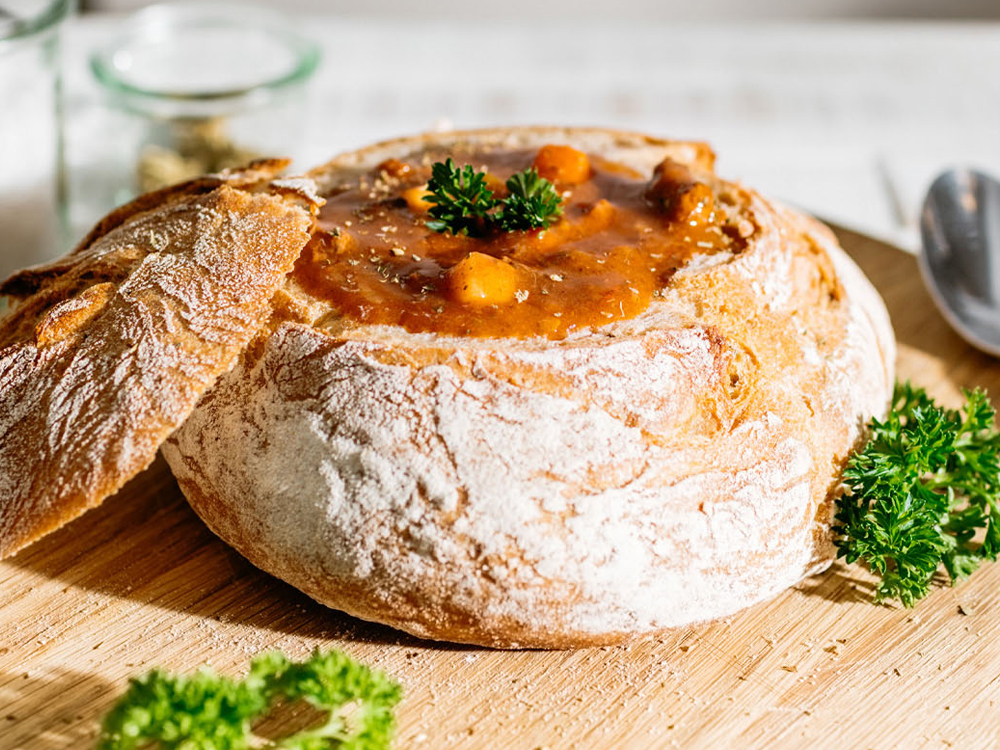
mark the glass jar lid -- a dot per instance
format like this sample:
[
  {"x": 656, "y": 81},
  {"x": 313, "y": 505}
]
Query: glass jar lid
[{"x": 203, "y": 59}]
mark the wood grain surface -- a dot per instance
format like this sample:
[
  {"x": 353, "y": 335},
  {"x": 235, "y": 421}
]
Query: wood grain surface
[{"x": 141, "y": 582}]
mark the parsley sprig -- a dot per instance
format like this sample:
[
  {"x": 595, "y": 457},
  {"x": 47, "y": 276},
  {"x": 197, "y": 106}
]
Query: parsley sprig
[
  {"x": 463, "y": 204},
  {"x": 461, "y": 199},
  {"x": 533, "y": 202},
  {"x": 925, "y": 483},
  {"x": 208, "y": 711}
]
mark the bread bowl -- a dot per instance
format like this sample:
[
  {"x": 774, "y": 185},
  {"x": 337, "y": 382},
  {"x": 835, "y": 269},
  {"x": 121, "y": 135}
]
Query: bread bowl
[{"x": 642, "y": 452}]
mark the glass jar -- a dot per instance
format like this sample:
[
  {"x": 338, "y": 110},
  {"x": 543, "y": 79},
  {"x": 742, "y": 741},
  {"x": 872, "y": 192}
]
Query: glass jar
[
  {"x": 191, "y": 88},
  {"x": 31, "y": 183}
]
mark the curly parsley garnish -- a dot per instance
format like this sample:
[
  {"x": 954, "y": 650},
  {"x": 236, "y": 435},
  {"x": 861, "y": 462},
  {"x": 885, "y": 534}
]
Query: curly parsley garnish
[
  {"x": 533, "y": 202},
  {"x": 209, "y": 711},
  {"x": 923, "y": 486},
  {"x": 463, "y": 203},
  {"x": 461, "y": 199}
]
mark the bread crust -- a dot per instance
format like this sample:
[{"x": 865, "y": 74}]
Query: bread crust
[
  {"x": 652, "y": 473},
  {"x": 107, "y": 350}
]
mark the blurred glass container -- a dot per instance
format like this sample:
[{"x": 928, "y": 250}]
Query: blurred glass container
[
  {"x": 191, "y": 88},
  {"x": 31, "y": 184}
]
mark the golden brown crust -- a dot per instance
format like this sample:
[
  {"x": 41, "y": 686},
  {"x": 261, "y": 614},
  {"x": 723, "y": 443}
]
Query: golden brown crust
[
  {"x": 107, "y": 350},
  {"x": 652, "y": 473},
  {"x": 696, "y": 154}
]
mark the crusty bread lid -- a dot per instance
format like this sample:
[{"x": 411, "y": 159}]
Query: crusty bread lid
[{"x": 107, "y": 349}]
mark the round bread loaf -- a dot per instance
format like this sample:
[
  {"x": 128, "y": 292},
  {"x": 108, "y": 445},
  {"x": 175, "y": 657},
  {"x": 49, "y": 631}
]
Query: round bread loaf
[{"x": 666, "y": 468}]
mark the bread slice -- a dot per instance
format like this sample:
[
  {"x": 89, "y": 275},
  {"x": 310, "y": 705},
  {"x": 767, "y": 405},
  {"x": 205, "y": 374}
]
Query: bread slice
[
  {"x": 105, "y": 351},
  {"x": 654, "y": 472}
]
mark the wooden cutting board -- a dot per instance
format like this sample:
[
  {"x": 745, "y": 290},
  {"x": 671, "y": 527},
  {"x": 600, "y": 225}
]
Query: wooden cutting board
[{"x": 141, "y": 582}]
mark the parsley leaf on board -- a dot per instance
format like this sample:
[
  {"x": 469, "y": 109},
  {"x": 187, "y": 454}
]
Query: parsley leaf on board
[
  {"x": 532, "y": 204},
  {"x": 208, "y": 711},
  {"x": 463, "y": 202},
  {"x": 460, "y": 197},
  {"x": 924, "y": 485}
]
